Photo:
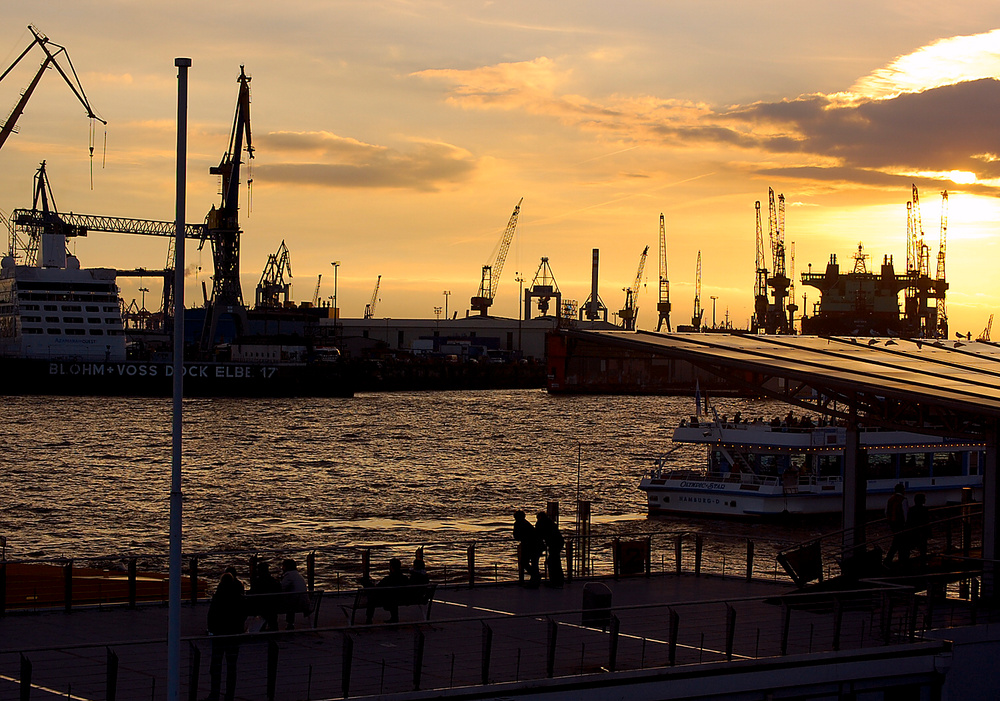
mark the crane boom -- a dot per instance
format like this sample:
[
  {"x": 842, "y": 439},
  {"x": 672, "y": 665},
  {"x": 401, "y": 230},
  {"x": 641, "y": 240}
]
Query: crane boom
[
  {"x": 491, "y": 272},
  {"x": 43, "y": 42},
  {"x": 370, "y": 307},
  {"x": 698, "y": 312}
]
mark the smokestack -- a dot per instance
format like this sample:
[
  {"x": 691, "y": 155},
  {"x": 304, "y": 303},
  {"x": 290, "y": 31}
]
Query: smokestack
[{"x": 592, "y": 311}]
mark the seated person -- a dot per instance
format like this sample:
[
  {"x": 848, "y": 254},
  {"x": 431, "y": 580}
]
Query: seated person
[{"x": 388, "y": 600}]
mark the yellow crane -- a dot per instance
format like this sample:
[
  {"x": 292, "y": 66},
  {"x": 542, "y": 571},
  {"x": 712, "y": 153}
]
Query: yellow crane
[{"x": 663, "y": 305}]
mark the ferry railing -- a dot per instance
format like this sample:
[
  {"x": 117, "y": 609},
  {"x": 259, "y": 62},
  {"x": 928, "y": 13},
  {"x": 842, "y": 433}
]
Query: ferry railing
[
  {"x": 130, "y": 579},
  {"x": 564, "y": 646}
]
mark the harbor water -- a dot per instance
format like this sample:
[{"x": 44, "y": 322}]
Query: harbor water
[{"x": 90, "y": 477}]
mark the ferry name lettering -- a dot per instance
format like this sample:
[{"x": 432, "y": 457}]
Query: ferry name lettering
[{"x": 703, "y": 485}]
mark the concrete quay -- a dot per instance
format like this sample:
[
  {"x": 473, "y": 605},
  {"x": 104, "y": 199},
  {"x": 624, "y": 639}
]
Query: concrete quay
[{"x": 665, "y": 636}]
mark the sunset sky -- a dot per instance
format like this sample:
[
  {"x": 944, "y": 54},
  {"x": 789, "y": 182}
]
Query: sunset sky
[{"x": 397, "y": 136}]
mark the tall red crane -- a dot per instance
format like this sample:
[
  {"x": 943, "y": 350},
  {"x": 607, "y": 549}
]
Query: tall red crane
[{"x": 491, "y": 271}]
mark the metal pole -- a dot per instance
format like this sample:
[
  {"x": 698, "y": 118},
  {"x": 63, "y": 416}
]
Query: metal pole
[{"x": 174, "y": 617}]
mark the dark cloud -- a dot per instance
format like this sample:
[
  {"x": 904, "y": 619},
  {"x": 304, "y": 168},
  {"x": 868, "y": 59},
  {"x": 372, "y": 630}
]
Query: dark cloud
[
  {"x": 942, "y": 129},
  {"x": 346, "y": 163}
]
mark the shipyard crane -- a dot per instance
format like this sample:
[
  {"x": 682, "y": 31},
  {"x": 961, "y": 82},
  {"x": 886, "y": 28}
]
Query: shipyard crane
[
  {"x": 985, "y": 335},
  {"x": 777, "y": 319},
  {"x": 760, "y": 286},
  {"x": 663, "y": 305},
  {"x": 630, "y": 310},
  {"x": 543, "y": 288},
  {"x": 940, "y": 284},
  {"x": 319, "y": 281},
  {"x": 223, "y": 224},
  {"x": 370, "y": 307},
  {"x": 698, "y": 311},
  {"x": 273, "y": 289},
  {"x": 491, "y": 272},
  {"x": 44, "y": 43}
]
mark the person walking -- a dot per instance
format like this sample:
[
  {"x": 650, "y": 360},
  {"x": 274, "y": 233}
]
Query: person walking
[
  {"x": 548, "y": 531},
  {"x": 226, "y": 618},
  {"x": 530, "y": 549}
]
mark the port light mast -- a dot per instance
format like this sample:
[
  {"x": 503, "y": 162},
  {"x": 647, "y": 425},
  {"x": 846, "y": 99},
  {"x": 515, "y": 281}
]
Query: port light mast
[
  {"x": 663, "y": 305},
  {"x": 698, "y": 311},
  {"x": 491, "y": 272}
]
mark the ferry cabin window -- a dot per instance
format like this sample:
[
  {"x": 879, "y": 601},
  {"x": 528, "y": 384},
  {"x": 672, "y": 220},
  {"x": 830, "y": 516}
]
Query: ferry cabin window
[
  {"x": 111, "y": 309},
  {"x": 29, "y": 307},
  {"x": 974, "y": 462},
  {"x": 30, "y": 330},
  {"x": 54, "y": 332},
  {"x": 915, "y": 465},
  {"x": 93, "y": 320},
  {"x": 947, "y": 464},
  {"x": 74, "y": 332},
  {"x": 72, "y": 308},
  {"x": 828, "y": 465},
  {"x": 30, "y": 319},
  {"x": 96, "y": 332},
  {"x": 52, "y": 319},
  {"x": 51, "y": 308},
  {"x": 73, "y": 319},
  {"x": 881, "y": 466},
  {"x": 93, "y": 309}
]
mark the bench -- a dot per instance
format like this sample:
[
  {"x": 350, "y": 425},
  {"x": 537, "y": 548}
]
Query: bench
[
  {"x": 282, "y": 603},
  {"x": 421, "y": 595}
]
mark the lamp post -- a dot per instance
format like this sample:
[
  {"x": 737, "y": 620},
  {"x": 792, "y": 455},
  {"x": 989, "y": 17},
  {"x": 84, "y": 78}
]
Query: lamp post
[
  {"x": 336, "y": 311},
  {"x": 446, "y": 293},
  {"x": 520, "y": 310},
  {"x": 143, "y": 290}
]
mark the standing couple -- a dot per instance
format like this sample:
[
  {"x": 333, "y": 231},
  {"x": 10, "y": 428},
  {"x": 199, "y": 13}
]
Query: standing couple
[{"x": 544, "y": 536}]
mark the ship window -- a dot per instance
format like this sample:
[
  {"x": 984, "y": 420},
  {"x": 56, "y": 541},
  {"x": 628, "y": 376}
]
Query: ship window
[
  {"x": 29, "y": 319},
  {"x": 111, "y": 320},
  {"x": 96, "y": 332},
  {"x": 74, "y": 332},
  {"x": 880, "y": 467},
  {"x": 54, "y": 332},
  {"x": 915, "y": 465},
  {"x": 829, "y": 465},
  {"x": 51, "y": 308},
  {"x": 73, "y": 319},
  {"x": 111, "y": 309},
  {"x": 93, "y": 320},
  {"x": 974, "y": 462},
  {"x": 72, "y": 308},
  {"x": 52, "y": 319},
  {"x": 947, "y": 464},
  {"x": 93, "y": 309},
  {"x": 31, "y": 330},
  {"x": 29, "y": 307}
]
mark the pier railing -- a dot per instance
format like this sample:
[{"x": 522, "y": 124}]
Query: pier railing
[
  {"x": 131, "y": 579},
  {"x": 495, "y": 650}
]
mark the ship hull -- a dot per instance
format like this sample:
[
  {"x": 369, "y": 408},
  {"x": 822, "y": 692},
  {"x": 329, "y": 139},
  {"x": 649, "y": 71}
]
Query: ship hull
[{"x": 23, "y": 376}]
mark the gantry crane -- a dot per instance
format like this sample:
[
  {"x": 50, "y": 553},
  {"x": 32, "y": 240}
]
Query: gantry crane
[
  {"x": 543, "y": 288},
  {"x": 273, "y": 289},
  {"x": 630, "y": 310},
  {"x": 777, "y": 318},
  {"x": 491, "y": 272},
  {"x": 663, "y": 305},
  {"x": 698, "y": 311},
  {"x": 370, "y": 307},
  {"x": 43, "y": 42}
]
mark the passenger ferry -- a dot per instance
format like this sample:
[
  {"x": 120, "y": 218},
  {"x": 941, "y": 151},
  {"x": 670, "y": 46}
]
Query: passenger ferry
[{"x": 758, "y": 468}]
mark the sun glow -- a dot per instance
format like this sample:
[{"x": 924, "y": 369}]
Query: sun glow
[{"x": 962, "y": 177}]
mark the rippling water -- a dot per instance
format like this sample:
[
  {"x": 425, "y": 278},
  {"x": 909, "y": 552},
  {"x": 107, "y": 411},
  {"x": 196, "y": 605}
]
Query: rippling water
[{"x": 91, "y": 476}]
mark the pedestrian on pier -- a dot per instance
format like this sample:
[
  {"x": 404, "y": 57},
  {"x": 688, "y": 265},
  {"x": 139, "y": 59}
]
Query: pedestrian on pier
[
  {"x": 548, "y": 531},
  {"x": 226, "y": 618},
  {"x": 530, "y": 550},
  {"x": 296, "y": 593},
  {"x": 418, "y": 573},
  {"x": 267, "y": 589},
  {"x": 389, "y": 600}
]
